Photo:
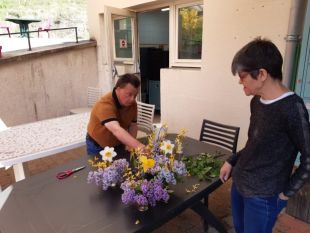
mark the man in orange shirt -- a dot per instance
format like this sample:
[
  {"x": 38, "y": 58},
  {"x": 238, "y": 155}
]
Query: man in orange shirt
[{"x": 113, "y": 119}]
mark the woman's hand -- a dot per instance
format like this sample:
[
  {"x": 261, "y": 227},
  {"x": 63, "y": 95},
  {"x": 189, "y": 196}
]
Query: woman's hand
[
  {"x": 225, "y": 172},
  {"x": 283, "y": 197}
]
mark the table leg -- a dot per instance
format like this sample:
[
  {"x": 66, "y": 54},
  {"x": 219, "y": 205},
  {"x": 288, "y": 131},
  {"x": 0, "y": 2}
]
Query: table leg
[
  {"x": 206, "y": 204},
  {"x": 200, "y": 209},
  {"x": 19, "y": 172},
  {"x": 4, "y": 195},
  {"x": 23, "y": 29}
]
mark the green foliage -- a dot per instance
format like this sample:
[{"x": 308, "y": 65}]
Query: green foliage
[{"x": 205, "y": 166}]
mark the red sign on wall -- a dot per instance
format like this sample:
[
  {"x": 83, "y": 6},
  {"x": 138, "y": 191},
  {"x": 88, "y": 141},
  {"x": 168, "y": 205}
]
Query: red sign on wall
[{"x": 123, "y": 43}]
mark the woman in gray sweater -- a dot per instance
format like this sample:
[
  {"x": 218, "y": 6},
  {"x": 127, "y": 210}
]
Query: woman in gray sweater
[{"x": 279, "y": 129}]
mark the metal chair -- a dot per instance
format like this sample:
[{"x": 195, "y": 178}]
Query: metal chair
[
  {"x": 225, "y": 136},
  {"x": 145, "y": 117},
  {"x": 46, "y": 27},
  {"x": 93, "y": 95},
  {"x": 7, "y": 29}
]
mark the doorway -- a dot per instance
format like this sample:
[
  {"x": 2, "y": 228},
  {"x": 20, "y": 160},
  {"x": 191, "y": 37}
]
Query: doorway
[{"x": 153, "y": 28}]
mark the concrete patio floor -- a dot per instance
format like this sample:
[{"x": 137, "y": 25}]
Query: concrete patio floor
[{"x": 188, "y": 221}]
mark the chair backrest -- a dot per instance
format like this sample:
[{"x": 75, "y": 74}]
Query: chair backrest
[
  {"x": 93, "y": 95},
  {"x": 222, "y": 135},
  {"x": 145, "y": 116}
]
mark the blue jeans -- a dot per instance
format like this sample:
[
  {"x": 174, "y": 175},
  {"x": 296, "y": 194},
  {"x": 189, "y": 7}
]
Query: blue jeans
[
  {"x": 254, "y": 214},
  {"x": 94, "y": 148}
]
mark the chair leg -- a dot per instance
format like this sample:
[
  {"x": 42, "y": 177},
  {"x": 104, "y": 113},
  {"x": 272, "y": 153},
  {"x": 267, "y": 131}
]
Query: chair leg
[
  {"x": 39, "y": 30},
  {"x": 8, "y": 29}
]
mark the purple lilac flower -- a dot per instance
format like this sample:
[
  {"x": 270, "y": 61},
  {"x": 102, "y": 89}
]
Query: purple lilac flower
[
  {"x": 120, "y": 165},
  {"x": 161, "y": 159},
  {"x": 90, "y": 177},
  {"x": 145, "y": 187},
  {"x": 125, "y": 185},
  {"x": 179, "y": 168},
  {"x": 108, "y": 176},
  {"x": 160, "y": 194},
  {"x": 128, "y": 196},
  {"x": 167, "y": 176},
  {"x": 140, "y": 199}
]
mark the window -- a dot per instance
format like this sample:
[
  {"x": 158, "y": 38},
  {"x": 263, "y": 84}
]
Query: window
[
  {"x": 122, "y": 38},
  {"x": 188, "y": 34}
]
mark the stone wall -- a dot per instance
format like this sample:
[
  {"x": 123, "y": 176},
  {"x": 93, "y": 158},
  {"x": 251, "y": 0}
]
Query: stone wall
[{"x": 47, "y": 83}]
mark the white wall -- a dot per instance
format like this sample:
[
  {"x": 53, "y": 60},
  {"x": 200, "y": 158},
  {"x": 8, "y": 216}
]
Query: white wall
[
  {"x": 212, "y": 92},
  {"x": 189, "y": 95},
  {"x": 46, "y": 86}
]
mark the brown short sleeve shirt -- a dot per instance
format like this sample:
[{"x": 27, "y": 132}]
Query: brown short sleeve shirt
[{"x": 105, "y": 110}]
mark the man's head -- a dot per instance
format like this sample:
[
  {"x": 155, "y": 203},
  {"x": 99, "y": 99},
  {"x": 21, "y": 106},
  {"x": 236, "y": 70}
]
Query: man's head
[
  {"x": 258, "y": 54},
  {"x": 126, "y": 89}
]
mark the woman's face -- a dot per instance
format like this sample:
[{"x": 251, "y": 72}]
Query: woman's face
[{"x": 251, "y": 86}]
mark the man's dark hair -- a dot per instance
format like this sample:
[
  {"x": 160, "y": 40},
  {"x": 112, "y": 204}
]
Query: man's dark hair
[
  {"x": 128, "y": 78},
  {"x": 258, "y": 54}
]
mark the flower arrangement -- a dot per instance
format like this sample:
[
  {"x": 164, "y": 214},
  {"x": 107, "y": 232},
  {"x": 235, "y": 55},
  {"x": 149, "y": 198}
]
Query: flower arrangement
[
  {"x": 146, "y": 179},
  {"x": 109, "y": 172}
]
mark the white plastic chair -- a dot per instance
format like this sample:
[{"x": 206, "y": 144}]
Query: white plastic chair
[
  {"x": 93, "y": 94},
  {"x": 45, "y": 27},
  {"x": 145, "y": 116}
]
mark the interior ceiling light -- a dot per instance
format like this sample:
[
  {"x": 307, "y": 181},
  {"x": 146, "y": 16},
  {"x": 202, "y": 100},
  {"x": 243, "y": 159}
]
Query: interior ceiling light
[{"x": 165, "y": 9}]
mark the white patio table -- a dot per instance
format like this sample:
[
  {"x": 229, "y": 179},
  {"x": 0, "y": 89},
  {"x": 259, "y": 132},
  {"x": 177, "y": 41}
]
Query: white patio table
[{"x": 35, "y": 140}]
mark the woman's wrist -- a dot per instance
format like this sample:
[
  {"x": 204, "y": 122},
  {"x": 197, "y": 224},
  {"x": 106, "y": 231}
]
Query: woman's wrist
[{"x": 283, "y": 197}]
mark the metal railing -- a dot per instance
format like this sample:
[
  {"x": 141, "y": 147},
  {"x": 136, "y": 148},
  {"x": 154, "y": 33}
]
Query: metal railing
[{"x": 38, "y": 31}]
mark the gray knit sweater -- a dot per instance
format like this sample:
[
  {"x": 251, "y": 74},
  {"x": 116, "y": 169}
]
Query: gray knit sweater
[{"x": 277, "y": 132}]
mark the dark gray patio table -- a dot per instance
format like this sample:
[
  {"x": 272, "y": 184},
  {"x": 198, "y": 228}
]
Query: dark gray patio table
[
  {"x": 23, "y": 24},
  {"x": 44, "y": 204}
]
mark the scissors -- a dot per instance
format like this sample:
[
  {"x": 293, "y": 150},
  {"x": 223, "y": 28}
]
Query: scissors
[{"x": 65, "y": 174}]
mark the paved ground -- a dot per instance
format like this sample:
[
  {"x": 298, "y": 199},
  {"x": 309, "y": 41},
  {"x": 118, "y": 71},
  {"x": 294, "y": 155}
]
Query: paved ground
[{"x": 188, "y": 221}]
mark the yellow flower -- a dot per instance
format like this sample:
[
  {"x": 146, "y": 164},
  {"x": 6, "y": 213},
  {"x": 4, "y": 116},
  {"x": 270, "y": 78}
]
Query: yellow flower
[
  {"x": 171, "y": 159},
  {"x": 146, "y": 163}
]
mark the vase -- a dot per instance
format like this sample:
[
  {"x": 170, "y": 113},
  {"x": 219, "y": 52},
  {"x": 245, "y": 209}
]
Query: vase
[{"x": 142, "y": 208}]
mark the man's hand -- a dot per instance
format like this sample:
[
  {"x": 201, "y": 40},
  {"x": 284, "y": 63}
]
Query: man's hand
[{"x": 225, "y": 172}]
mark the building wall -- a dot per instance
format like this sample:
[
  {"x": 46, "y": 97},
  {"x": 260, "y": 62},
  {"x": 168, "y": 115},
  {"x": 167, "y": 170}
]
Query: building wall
[
  {"x": 212, "y": 92},
  {"x": 189, "y": 95},
  {"x": 46, "y": 86}
]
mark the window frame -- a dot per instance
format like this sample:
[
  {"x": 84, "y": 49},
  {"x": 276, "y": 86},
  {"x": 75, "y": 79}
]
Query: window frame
[
  {"x": 174, "y": 37},
  {"x": 130, "y": 60}
]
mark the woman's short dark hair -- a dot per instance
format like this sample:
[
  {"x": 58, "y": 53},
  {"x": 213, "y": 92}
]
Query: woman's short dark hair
[
  {"x": 258, "y": 54},
  {"x": 123, "y": 80}
]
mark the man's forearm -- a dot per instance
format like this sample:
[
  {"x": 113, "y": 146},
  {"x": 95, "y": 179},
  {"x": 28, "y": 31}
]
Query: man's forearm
[
  {"x": 133, "y": 130},
  {"x": 126, "y": 138}
]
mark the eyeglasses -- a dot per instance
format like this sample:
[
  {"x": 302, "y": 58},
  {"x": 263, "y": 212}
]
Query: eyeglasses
[{"x": 253, "y": 73}]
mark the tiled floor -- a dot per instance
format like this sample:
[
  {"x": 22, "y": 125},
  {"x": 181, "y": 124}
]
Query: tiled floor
[{"x": 188, "y": 221}]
